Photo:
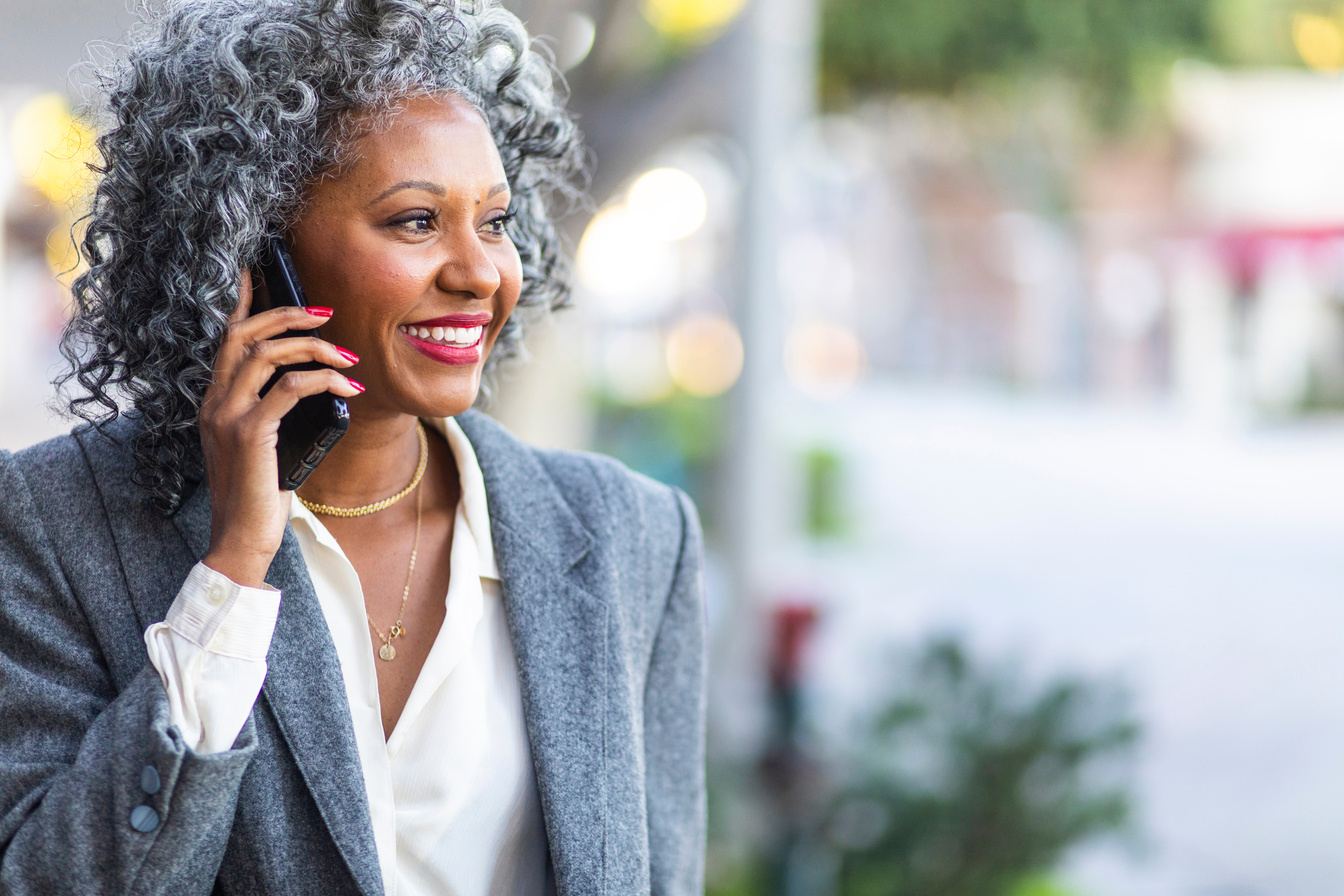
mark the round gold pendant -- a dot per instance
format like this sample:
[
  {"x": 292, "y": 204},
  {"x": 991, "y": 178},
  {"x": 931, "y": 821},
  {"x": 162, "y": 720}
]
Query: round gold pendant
[{"x": 387, "y": 652}]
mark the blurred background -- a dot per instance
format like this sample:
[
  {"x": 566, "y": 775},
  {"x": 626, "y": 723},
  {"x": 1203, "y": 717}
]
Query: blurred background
[{"x": 1001, "y": 345}]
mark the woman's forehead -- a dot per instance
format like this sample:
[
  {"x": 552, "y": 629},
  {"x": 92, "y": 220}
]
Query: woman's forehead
[{"x": 437, "y": 139}]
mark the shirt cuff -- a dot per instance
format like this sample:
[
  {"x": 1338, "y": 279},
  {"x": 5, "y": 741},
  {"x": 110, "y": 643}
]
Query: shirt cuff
[{"x": 222, "y": 617}]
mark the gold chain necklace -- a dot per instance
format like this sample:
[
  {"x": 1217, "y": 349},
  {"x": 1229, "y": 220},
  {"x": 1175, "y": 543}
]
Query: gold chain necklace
[
  {"x": 327, "y": 510},
  {"x": 387, "y": 652}
]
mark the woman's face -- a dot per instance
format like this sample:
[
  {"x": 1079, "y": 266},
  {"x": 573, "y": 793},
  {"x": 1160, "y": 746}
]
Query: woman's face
[{"x": 409, "y": 246}]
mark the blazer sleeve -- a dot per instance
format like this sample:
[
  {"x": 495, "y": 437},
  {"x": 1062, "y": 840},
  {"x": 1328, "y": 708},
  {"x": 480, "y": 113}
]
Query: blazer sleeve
[
  {"x": 98, "y": 792},
  {"x": 674, "y": 725}
]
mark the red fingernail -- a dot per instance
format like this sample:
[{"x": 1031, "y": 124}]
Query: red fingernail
[
  {"x": 319, "y": 311},
  {"x": 356, "y": 383},
  {"x": 347, "y": 355}
]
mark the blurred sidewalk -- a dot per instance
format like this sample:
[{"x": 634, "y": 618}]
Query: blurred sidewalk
[{"x": 1205, "y": 567}]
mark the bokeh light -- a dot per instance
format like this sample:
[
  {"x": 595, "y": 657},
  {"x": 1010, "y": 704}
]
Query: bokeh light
[
  {"x": 823, "y": 360},
  {"x": 1319, "y": 41},
  {"x": 668, "y": 203},
  {"x": 691, "y": 20},
  {"x": 62, "y": 255},
  {"x": 704, "y": 355},
  {"x": 52, "y": 149},
  {"x": 629, "y": 274},
  {"x": 579, "y": 33},
  {"x": 633, "y": 368}
]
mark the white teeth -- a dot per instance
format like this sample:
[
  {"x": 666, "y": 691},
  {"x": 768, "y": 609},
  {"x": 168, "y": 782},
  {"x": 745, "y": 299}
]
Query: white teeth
[{"x": 459, "y": 336}]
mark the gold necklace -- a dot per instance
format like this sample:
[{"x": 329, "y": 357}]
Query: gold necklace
[
  {"x": 327, "y": 510},
  {"x": 387, "y": 652}
]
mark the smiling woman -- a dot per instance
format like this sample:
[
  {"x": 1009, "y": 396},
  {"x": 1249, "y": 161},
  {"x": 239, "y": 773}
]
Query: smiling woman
[
  {"x": 425, "y": 205},
  {"x": 449, "y": 662}
]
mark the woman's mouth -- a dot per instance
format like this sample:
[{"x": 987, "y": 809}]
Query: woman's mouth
[
  {"x": 459, "y": 337},
  {"x": 448, "y": 345}
]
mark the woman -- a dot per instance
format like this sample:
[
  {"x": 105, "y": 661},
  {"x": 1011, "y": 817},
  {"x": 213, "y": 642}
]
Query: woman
[{"x": 482, "y": 663}]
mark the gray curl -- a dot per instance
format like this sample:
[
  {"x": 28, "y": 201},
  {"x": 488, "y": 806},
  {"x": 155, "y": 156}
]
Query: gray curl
[{"x": 219, "y": 115}]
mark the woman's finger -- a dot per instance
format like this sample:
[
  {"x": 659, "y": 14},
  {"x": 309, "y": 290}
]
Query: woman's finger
[
  {"x": 274, "y": 321},
  {"x": 297, "y": 384},
  {"x": 260, "y": 363},
  {"x": 245, "y": 333}
]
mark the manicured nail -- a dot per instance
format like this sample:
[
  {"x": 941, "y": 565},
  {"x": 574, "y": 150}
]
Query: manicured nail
[
  {"x": 347, "y": 355},
  {"x": 356, "y": 383},
  {"x": 319, "y": 311}
]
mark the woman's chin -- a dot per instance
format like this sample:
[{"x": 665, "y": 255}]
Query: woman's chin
[
  {"x": 430, "y": 401},
  {"x": 454, "y": 400}
]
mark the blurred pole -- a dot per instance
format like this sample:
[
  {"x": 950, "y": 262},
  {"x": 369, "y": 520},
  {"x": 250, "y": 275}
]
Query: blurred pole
[
  {"x": 780, "y": 68},
  {"x": 778, "y": 57}
]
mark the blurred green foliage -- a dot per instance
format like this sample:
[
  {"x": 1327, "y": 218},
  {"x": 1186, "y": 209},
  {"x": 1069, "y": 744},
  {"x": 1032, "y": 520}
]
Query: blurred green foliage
[
  {"x": 967, "y": 779},
  {"x": 872, "y": 46},
  {"x": 1040, "y": 886},
  {"x": 1259, "y": 32},
  {"x": 971, "y": 782},
  {"x": 823, "y": 480},
  {"x": 677, "y": 441}
]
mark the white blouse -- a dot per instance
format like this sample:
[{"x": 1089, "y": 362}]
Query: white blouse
[{"x": 452, "y": 794}]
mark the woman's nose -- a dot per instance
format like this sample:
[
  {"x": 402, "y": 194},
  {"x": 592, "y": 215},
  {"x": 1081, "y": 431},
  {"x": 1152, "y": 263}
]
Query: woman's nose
[{"x": 468, "y": 269}]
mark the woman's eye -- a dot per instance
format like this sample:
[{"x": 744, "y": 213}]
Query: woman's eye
[
  {"x": 420, "y": 222},
  {"x": 498, "y": 226}
]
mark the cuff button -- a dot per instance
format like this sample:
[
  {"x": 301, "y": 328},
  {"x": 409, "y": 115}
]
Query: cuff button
[
  {"x": 216, "y": 594},
  {"x": 149, "y": 780},
  {"x": 144, "y": 819}
]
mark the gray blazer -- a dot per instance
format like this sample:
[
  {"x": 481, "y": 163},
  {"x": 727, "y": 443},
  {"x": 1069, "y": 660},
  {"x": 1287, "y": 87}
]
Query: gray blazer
[{"x": 600, "y": 573}]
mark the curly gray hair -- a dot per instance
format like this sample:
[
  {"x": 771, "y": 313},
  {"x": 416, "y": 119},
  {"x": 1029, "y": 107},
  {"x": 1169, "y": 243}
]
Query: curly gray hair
[{"x": 222, "y": 113}]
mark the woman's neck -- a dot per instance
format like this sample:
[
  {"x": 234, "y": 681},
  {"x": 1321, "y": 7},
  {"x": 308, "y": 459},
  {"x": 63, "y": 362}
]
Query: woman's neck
[{"x": 374, "y": 459}]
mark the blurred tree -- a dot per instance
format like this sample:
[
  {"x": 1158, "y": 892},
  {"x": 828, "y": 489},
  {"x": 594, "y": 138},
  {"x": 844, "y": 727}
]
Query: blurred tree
[
  {"x": 970, "y": 783},
  {"x": 824, "y": 494},
  {"x": 676, "y": 440},
  {"x": 903, "y": 45}
]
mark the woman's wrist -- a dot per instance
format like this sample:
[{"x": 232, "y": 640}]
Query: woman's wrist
[{"x": 242, "y": 568}]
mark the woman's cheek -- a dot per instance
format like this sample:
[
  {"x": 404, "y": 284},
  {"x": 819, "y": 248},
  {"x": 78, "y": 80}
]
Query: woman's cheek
[{"x": 510, "y": 279}]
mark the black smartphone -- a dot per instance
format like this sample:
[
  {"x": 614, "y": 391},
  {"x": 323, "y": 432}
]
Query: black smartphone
[{"x": 317, "y": 422}]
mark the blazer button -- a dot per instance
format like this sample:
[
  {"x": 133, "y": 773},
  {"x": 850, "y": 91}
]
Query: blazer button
[
  {"x": 215, "y": 594},
  {"x": 144, "y": 819},
  {"x": 149, "y": 780}
]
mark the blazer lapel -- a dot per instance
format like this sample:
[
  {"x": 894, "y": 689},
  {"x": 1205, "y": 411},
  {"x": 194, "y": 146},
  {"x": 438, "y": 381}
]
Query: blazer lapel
[
  {"x": 305, "y": 691},
  {"x": 559, "y": 632}
]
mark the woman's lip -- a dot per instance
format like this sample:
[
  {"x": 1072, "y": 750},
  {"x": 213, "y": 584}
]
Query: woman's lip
[
  {"x": 455, "y": 355},
  {"x": 454, "y": 320}
]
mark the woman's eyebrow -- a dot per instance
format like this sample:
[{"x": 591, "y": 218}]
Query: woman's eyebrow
[
  {"x": 496, "y": 190},
  {"x": 427, "y": 186}
]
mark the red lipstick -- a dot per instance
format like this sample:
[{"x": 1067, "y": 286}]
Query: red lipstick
[
  {"x": 455, "y": 355},
  {"x": 455, "y": 320}
]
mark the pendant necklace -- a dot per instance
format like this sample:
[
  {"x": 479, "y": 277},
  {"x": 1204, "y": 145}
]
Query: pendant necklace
[{"x": 387, "y": 652}]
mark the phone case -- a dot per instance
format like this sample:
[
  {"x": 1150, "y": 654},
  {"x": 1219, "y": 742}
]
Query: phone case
[{"x": 317, "y": 422}]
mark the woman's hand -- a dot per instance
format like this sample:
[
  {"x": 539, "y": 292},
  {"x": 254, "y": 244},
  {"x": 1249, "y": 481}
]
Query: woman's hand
[{"x": 239, "y": 429}]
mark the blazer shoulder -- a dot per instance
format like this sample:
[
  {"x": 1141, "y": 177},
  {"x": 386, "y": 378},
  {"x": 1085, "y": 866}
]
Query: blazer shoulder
[
  {"x": 603, "y": 493},
  {"x": 606, "y": 494},
  {"x": 52, "y": 470},
  {"x": 64, "y": 473}
]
